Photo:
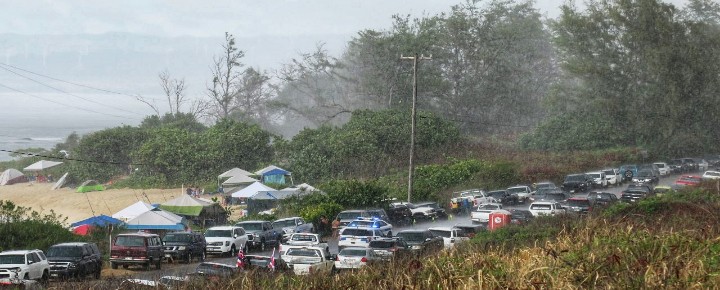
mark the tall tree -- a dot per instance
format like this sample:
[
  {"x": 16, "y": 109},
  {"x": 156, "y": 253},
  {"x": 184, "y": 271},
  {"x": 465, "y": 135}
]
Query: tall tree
[{"x": 226, "y": 76}]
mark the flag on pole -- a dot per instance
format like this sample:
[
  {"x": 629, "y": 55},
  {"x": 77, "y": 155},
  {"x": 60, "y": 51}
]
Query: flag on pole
[
  {"x": 272, "y": 261},
  {"x": 241, "y": 259}
]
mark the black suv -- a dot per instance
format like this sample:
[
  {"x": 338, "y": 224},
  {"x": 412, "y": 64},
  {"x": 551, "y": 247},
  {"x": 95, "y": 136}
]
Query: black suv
[
  {"x": 577, "y": 182},
  {"x": 184, "y": 246},
  {"x": 399, "y": 214},
  {"x": 75, "y": 260},
  {"x": 421, "y": 242},
  {"x": 439, "y": 211}
]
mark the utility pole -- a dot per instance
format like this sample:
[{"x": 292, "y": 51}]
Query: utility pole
[{"x": 415, "y": 59}]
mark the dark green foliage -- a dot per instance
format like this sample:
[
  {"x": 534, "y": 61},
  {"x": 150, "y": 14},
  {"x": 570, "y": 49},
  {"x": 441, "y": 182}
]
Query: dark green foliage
[
  {"x": 22, "y": 228},
  {"x": 109, "y": 145},
  {"x": 431, "y": 179},
  {"x": 355, "y": 193},
  {"x": 185, "y": 121}
]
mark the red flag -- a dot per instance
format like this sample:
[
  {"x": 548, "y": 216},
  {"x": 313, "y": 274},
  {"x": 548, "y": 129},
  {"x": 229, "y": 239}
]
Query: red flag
[
  {"x": 241, "y": 259},
  {"x": 272, "y": 261}
]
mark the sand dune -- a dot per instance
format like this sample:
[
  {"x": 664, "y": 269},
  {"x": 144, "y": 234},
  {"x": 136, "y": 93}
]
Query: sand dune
[{"x": 78, "y": 206}]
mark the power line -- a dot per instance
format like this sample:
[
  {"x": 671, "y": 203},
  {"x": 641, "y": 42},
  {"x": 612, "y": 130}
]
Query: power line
[
  {"x": 75, "y": 84},
  {"x": 64, "y": 92},
  {"x": 69, "y": 159},
  {"x": 66, "y": 105}
]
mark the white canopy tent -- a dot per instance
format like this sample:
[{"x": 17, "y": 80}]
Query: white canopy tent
[
  {"x": 133, "y": 211},
  {"x": 252, "y": 190},
  {"x": 235, "y": 172},
  {"x": 238, "y": 180},
  {"x": 156, "y": 219},
  {"x": 41, "y": 165},
  {"x": 12, "y": 176}
]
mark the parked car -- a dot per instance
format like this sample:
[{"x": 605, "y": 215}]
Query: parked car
[
  {"x": 384, "y": 227},
  {"x": 663, "y": 189},
  {"x": 358, "y": 236},
  {"x": 399, "y": 214},
  {"x": 603, "y": 198},
  {"x": 74, "y": 260},
  {"x": 184, "y": 246},
  {"x": 482, "y": 213},
  {"x": 599, "y": 179},
  {"x": 633, "y": 195},
  {"x": 215, "y": 271},
  {"x": 523, "y": 192},
  {"x": 652, "y": 167},
  {"x": 451, "y": 236},
  {"x": 24, "y": 265},
  {"x": 226, "y": 240},
  {"x": 303, "y": 240},
  {"x": 579, "y": 205},
  {"x": 261, "y": 234},
  {"x": 262, "y": 263},
  {"x": 702, "y": 165},
  {"x": 348, "y": 216},
  {"x": 470, "y": 230},
  {"x": 663, "y": 167},
  {"x": 140, "y": 248},
  {"x": 628, "y": 171},
  {"x": 475, "y": 196},
  {"x": 646, "y": 176},
  {"x": 389, "y": 248},
  {"x": 613, "y": 176},
  {"x": 504, "y": 197},
  {"x": 307, "y": 260},
  {"x": 688, "y": 180},
  {"x": 677, "y": 166},
  {"x": 378, "y": 213},
  {"x": 711, "y": 175},
  {"x": 520, "y": 216},
  {"x": 439, "y": 211},
  {"x": 691, "y": 164},
  {"x": 421, "y": 241},
  {"x": 554, "y": 195},
  {"x": 577, "y": 183},
  {"x": 354, "y": 258},
  {"x": 546, "y": 208},
  {"x": 420, "y": 212},
  {"x": 292, "y": 225}
]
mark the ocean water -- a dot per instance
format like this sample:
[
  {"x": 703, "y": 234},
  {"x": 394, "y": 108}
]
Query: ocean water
[{"x": 20, "y": 136}]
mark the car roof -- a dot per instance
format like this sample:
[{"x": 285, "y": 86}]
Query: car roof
[
  {"x": 143, "y": 234},
  {"x": 412, "y": 231},
  {"x": 223, "y": 228},
  {"x": 543, "y": 202},
  {"x": 579, "y": 198},
  {"x": 73, "y": 244},
  {"x": 251, "y": 222},
  {"x": 285, "y": 219},
  {"x": 356, "y": 248},
  {"x": 17, "y": 252},
  {"x": 594, "y": 172},
  {"x": 441, "y": 229}
]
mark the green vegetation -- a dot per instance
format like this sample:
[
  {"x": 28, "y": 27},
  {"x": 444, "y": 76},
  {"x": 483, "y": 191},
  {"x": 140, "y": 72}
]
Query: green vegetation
[{"x": 23, "y": 228}]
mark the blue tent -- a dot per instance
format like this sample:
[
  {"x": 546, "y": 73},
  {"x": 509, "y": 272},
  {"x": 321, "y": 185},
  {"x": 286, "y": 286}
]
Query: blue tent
[
  {"x": 276, "y": 175},
  {"x": 101, "y": 220}
]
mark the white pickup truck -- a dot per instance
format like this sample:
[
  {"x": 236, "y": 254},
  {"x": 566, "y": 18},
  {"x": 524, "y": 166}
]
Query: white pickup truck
[
  {"x": 299, "y": 240},
  {"x": 475, "y": 196},
  {"x": 309, "y": 260},
  {"x": 482, "y": 213}
]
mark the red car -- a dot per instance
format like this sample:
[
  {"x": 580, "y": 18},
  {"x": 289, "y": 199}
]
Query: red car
[{"x": 688, "y": 180}]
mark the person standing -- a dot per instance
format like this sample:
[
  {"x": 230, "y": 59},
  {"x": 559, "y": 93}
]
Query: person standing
[
  {"x": 324, "y": 226},
  {"x": 335, "y": 227}
]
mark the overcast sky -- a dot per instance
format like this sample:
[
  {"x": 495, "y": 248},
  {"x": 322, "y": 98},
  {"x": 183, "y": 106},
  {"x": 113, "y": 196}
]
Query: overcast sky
[{"x": 213, "y": 18}]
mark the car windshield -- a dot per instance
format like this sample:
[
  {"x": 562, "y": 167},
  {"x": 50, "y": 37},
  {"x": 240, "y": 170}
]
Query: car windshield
[
  {"x": 12, "y": 259},
  {"x": 675, "y": 162},
  {"x": 645, "y": 173},
  {"x": 64, "y": 251},
  {"x": 609, "y": 172},
  {"x": 303, "y": 252},
  {"x": 540, "y": 206},
  {"x": 382, "y": 244},
  {"x": 517, "y": 189},
  {"x": 488, "y": 206},
  {"x": 594, "y": 175},
  {"x": 578, "y": 202},
  {"x": 660, "y": 165},
  {"x": 544, "y": 185},
  {"x": 356, "y": 232},
  {"x": 576, "y": 177},
  {"x": 412, "y": 236},
  {"x": 349, "y": 215},
  {"x": 218, "y": 233},
  {"x": 174, "y": 238},
  {"x": 284, "y": 223},
  {"x": 353, "y": 253},
  {"x": 712, "y": 173},
  {"x": 130, "y": 241},
  {"x": 499, "y": 193},
  {"x": 304, "y": 238},
  {"x": 251, "y": 226},
  {"x": 441, "y": 233}
]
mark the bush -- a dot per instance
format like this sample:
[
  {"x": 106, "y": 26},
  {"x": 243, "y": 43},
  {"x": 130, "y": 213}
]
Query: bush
[{"x": 23, "y": 228}]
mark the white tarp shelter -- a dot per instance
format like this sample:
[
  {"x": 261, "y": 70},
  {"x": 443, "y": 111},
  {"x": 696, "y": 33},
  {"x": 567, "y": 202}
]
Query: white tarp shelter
[
  {"x": 252, "y": 190},
  {"x": 41, "y": 165},
  {"x": 235, "y": 172},
  {"x": 238, "y": 180},
  {"x": 12, "y": 176},
  {"x": 133, "y": 211}
]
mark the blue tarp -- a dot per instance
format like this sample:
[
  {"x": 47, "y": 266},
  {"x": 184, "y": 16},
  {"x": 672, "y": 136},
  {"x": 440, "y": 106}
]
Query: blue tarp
[
  {"x": 101, "y": 220},
  {"x": 276, "y": 171}
]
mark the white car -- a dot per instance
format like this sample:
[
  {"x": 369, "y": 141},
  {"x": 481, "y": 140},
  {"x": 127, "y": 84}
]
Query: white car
[
  {"x": 307, "y": 260},
  {"x": 354, "y": 258},
  {"x": 612, "y": 175},
  {"x": 663, "y": 167},
  {"x": 226, "y": 240},
  {"x": 546, "y": 208},
  {"x": 25, "y": 265},
  {"x": 711, "y": 175},
  {"x": 358, "y": 236},
  {"x": 476, "y": 196},
  {"x": 522, "y": 191},
  {"x": 482, "y": 213},
  {"x": 451, "y": 236},
  {"x": 599, "y": 178},
  {"x": 384, "y": 227}
]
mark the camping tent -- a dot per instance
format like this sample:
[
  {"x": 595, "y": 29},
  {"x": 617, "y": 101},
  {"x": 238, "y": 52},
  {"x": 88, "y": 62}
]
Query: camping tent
[
  {"x": 82, "y": 230},
  {"x": 156, "y": 219},
  {"x": 133, "y": 211},
  {"x": 252, "y": 190},
  {"x": 101, "y": 220},
  {"x": 90, "y": 185},
  {"x": 12, "y": 176},
  {"x": 41, "y": 165},
  {"x": 234, "y": 172},
  {"x": 238, "y": 180},
  {"x": 274, "y": 174},
  {"x": 195, "y": 209}
]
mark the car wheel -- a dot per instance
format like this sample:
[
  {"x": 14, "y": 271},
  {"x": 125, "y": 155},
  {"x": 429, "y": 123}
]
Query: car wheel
[
  {"x": 389, "y": 234},
  {"x": 113, "y": 265},
  {"x": 158, "y": 264},
  {"x": 146, "y": 266},
  {"x": 188, "y": 257},
  {"x": 126, "y": 266},
  {"x": 45, "y": 277},
  {"x": 233, "y": 251},
  {"x": 629, "y": 174},
  {"x": 80, "y": 273},
  {"x": 202, "y": 256},
  {"x": 98, "y": 273}
]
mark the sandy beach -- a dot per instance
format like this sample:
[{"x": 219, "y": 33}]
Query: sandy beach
[{"x": 78, "y": 206}]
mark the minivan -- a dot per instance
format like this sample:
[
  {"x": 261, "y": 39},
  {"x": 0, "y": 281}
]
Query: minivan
[{"x": 140, "y": 248}]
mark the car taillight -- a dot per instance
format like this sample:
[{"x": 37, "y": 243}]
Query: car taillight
[
  {"x": 337, "y": 258},
  {"x": 364, "y": 260}
]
